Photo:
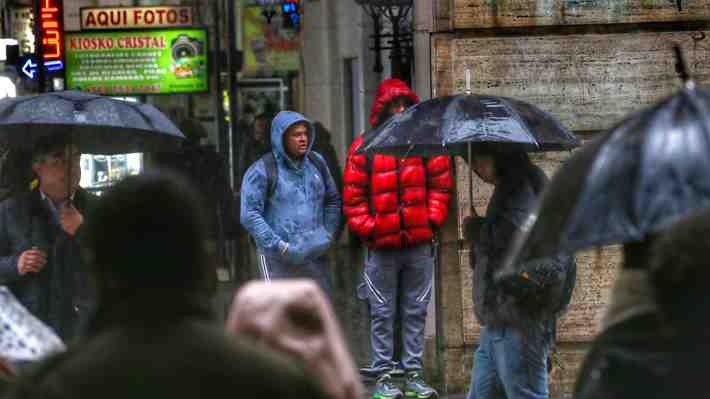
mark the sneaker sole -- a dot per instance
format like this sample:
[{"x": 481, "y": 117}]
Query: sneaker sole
[
  {"x": 387, "y": 397},
  {"x": 413, "y": 395}
]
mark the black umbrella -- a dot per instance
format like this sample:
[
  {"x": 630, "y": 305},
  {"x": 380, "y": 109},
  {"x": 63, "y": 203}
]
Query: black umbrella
[
  {"x": 97, "y": 124},
  {"x": 448, "y": 125},
  {"x": 636, "y": 180}
]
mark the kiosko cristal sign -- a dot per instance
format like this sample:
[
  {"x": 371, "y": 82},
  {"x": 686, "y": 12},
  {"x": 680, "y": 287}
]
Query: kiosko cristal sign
[{"x": 135, "y": 17}]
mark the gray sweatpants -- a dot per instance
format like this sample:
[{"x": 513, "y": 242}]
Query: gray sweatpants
[
  {"x": 405, "y": 274},
  {"x": 318, "y": 269}
]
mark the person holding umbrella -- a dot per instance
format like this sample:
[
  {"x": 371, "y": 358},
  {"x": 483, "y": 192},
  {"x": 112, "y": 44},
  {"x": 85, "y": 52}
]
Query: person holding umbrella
[
  {"x": 41, "y": 237},
  {"x": 41, "y": 231},
  {"x": 394, "y": 204},
  {"x": 630, "y": 186},
  {"x": 518, "y": 313}
]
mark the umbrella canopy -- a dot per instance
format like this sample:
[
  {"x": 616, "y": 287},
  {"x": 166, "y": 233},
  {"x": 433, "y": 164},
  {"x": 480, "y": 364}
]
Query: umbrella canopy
[
  {"x": 97, "y": 124},
  {"x": 22, "y": 336},
  {"x": 448, "y": 125},
  {"x": 637, "y": 179}
]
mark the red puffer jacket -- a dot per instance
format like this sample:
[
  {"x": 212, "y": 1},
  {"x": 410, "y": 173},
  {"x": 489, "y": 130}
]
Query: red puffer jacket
[
  {"x": 406, "y": 197},
  {"x": 392, "y": 202}
]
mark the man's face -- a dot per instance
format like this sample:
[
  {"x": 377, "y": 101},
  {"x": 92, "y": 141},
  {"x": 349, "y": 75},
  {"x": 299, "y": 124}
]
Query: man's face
[
  {"x": 485, "y": 168},
  {"x": 396, "y": 107},
  {"x": 296, "y": 141},
  {"x": 52, "y": 171}
]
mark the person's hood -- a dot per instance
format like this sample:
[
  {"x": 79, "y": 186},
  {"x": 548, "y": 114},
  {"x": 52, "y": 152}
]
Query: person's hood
[
  {"x": 281, "y": 123},
  {"x": 387, "y": 91}
]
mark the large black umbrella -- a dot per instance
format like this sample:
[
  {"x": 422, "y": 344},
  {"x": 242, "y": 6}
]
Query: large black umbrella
[
  {"x": 636, "y": 180},
  {"x": 97, "y": 124},
  {"x": 450, "y": 124}
]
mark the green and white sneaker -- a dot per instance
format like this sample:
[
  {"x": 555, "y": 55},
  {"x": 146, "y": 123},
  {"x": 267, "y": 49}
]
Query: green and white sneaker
[
  {"x": 386, "y": 389},
  {"x": 416, "y": 388}
]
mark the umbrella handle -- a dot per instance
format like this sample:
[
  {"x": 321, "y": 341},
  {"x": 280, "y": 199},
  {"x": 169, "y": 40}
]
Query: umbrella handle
[
  {"x": 470, "y": 180},
  {"x": 681, "y": 67}
]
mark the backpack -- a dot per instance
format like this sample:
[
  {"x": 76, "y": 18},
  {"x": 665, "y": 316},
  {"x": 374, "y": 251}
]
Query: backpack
[{"x": 271, "y": 169}]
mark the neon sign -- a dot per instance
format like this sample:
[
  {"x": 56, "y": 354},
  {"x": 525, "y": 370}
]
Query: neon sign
[{"x": 50, "y": 13}]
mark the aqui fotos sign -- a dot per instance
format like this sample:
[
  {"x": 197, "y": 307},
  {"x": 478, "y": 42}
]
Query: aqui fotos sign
[
  {"x": 135, "y": 17},
  {"x": 165, "y": 61}
]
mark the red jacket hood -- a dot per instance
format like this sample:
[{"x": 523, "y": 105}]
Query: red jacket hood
[{"x": 387, "y": 91}]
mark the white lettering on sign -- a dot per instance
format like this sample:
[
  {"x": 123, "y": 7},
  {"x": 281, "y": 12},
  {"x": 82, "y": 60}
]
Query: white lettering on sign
[{"x": 135, "y": 17}]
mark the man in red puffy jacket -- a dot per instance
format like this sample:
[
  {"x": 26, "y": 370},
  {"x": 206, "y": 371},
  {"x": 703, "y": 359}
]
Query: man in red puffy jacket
[{"x": 393, "y": 205}]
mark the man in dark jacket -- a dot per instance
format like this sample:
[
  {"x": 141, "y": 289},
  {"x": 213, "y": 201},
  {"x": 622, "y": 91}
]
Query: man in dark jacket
[
  {"x": 153, "y": 335},
  {"x": 41, "y": 232},
  {"x": 517, "y": 317}
]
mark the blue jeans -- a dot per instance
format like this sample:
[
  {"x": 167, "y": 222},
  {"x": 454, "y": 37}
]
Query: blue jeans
[
  {"x": 508, "y": 361},
  {"x": 392, "y": 276}
]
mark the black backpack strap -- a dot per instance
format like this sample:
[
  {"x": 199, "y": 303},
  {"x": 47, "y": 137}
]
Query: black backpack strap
[
  {"x": 320, "y": 164},
  {"x": 271, "y": 178}
]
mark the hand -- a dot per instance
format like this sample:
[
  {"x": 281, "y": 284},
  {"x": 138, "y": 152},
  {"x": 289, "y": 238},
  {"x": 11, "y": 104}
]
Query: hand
[
  {"x": 295, "y": 317},
  {"x": 70, "y": 218},
  {"x": 31, "y": 261}
]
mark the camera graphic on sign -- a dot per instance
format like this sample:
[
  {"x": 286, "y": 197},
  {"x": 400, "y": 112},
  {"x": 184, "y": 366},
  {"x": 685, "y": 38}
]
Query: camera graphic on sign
[{"x": 187, "y": 55}]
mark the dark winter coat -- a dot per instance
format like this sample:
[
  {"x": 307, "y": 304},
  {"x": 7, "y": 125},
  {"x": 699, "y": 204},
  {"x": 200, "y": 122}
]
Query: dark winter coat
[
  {"x": 656, "y": 345},
  {"x": 59, "y": 295},
  {"x": 160, "y": 347},
  {"x": 496, "y": 304},
  {"x": 634, "y": 349}
]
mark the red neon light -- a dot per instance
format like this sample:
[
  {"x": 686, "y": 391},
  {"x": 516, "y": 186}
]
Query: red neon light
[
  {"x": 52, "y": 36},
  {"x": 49, "y": 6}
]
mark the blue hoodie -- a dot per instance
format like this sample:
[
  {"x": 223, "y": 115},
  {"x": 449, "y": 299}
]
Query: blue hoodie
[{"x": 299, "y": 221}]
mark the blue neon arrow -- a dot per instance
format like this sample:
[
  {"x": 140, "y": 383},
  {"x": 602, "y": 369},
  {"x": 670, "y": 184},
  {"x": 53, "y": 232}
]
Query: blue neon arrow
[{"x": 29, "y": 68}]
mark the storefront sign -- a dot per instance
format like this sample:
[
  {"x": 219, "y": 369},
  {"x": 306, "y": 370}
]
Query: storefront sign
[
  {"x": 135, "y": 17},
  {"x": 137, "y": 62},
  {"x": 268, "y": 48},
  {"x": 51, "y": 30}
]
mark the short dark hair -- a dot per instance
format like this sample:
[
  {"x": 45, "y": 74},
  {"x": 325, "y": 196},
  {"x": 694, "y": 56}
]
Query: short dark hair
[{"x": 147, "y": 233}]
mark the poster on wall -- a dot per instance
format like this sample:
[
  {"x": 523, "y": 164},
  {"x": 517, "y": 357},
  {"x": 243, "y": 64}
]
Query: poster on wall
[
  {"x": 268, "y": 48},
  {"x": 167, "y": 61}
]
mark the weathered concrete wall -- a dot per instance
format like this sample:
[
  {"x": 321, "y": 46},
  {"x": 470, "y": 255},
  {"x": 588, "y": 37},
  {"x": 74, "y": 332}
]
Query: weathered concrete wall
[
  {"x": 507, "y": 13},
  {"x": 588, "y": 63},
  {"x": 588, "y": 81}
]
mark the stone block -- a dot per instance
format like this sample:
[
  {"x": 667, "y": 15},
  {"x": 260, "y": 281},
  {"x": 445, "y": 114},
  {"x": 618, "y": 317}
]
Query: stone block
[
  {"x": 517, "y": 13},
  {"x": 589, "y": 81}
]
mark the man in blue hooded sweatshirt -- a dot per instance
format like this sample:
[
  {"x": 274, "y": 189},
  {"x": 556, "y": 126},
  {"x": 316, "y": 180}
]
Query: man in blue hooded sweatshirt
[{"x": 294, "y": 213}]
